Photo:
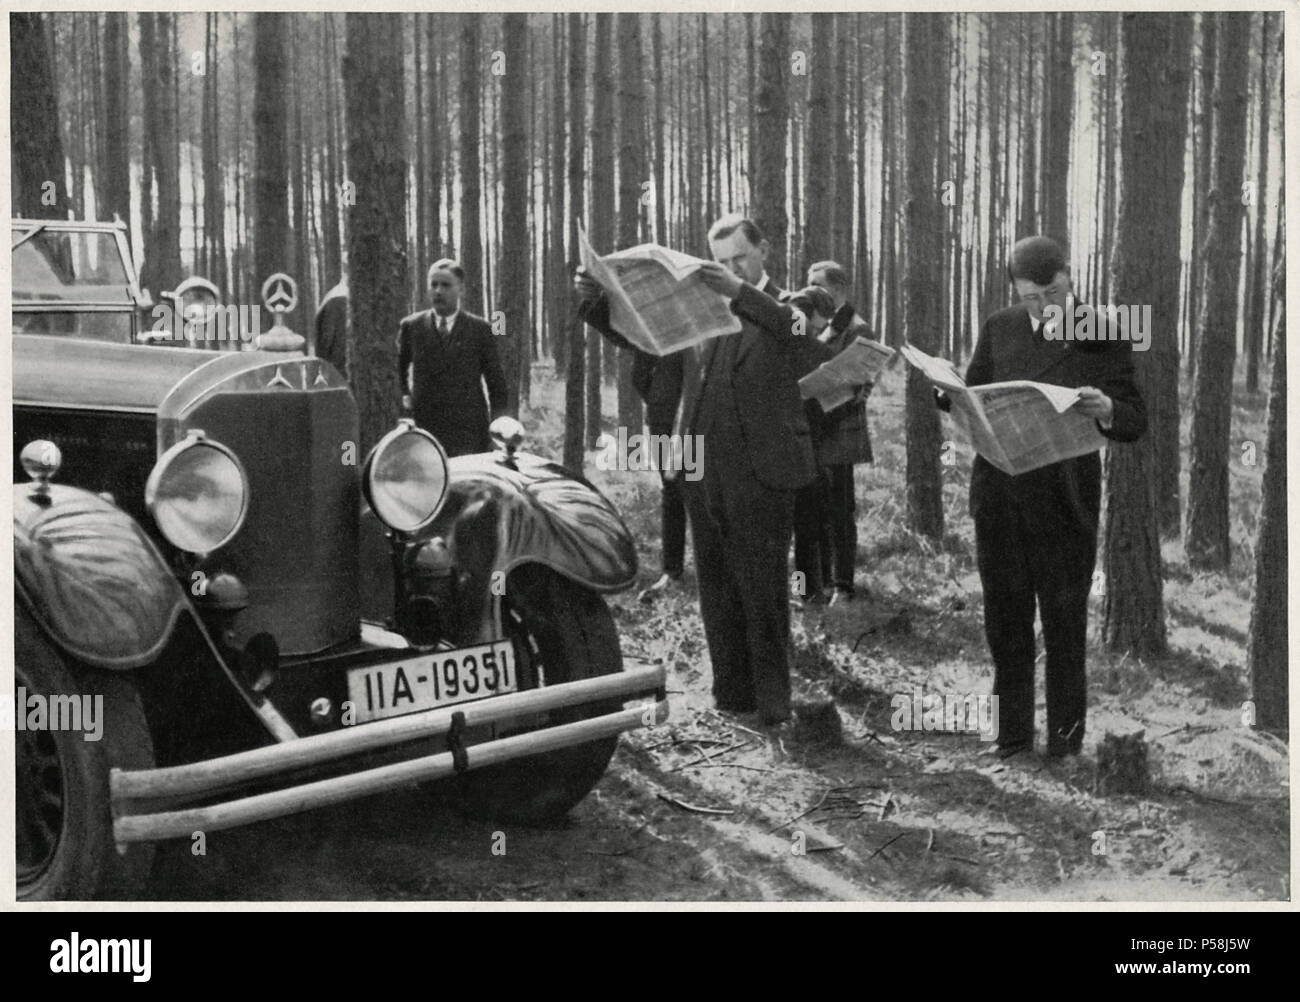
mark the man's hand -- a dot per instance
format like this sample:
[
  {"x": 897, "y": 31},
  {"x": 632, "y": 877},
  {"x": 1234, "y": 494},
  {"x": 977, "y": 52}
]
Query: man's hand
[
  {"x": 585, "y": 286},
  {"x": 720, "y": 279},
  {"x": 1096, "y": 404}
]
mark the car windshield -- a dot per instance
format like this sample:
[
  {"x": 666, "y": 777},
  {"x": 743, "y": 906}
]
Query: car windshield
[{"x": 51, "y": 265}]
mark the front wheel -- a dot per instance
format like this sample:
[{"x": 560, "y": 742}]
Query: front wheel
[
  {"x": 64, "y": 848},
  {"x": 562, "y": 632}
]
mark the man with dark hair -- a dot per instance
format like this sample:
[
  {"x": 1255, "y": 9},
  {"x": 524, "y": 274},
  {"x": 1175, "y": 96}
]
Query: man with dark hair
[
  {"x": 445, "y": 357},
  {"x": 843, "y": 439},
  {"x": 747, "y": 413},
  {"x": 1036, "y": 533},
  {"x": 332, "y": 327}
]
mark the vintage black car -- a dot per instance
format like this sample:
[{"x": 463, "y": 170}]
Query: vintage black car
[{"x": 272, "y": 622}]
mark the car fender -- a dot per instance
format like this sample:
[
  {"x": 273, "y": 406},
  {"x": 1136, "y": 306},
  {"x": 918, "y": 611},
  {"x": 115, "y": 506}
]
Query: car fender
[{"x": 92, "y": 578}]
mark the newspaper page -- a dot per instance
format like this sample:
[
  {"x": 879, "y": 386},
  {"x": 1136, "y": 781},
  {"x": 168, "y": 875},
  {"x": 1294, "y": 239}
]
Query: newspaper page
[
  {"x": 658, "y": 301},
  {"x": 836, "y": 380},
  {"x": 1017, "y": 425}
]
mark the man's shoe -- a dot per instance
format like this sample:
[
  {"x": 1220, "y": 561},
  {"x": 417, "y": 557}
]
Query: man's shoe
[{"x": 665, "y": 583}]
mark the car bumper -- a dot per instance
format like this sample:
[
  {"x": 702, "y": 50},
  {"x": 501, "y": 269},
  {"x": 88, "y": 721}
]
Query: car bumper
[{"x": 162, "y": 789}]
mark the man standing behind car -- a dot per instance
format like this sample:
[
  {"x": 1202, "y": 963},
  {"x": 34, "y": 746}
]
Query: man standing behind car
[
  {"x": 749, "y": 417},
  {"x": 843, "y": 438},
  {"x": 445, "y": 356}
]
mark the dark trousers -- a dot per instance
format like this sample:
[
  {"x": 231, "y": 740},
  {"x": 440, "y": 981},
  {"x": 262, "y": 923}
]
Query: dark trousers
[
  {"x": 812, "y": 544},
  {"x": 842, "y": 523},
  {"x": 1021, "y": 564},
  {"x": 741, "y": 534},
  {"x": 672, "y": 516}
]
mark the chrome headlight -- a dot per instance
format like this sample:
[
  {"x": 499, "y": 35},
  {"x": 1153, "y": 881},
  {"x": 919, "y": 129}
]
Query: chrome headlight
[
  {"x": 198, "y": 494},
  {"x": 405, "y": 477}
]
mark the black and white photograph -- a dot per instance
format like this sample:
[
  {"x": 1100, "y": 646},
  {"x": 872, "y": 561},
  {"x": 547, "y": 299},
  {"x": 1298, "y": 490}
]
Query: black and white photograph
[{"x": 689, "y": 458}]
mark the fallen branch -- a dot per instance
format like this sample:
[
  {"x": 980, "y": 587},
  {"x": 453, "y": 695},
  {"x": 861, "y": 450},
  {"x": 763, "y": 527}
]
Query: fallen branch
[
  {"x": 797, "y": 817},
  {"x": 886, "y": 845},
  {"x": 691, "y": 807}
]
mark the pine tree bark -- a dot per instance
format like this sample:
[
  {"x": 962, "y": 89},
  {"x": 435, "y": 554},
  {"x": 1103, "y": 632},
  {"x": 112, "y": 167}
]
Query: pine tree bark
[
  {"x": 36, "y": 153},
  {"x": 1255, "y": 313},
  {"x": 515, "y": 346},
  {"x": 115, "y": 164},
  {"x": 1208, "y": 541},
  {"x": 602, "y": 196},
  {"x": 1057, "y": 128},
  {"x": 631, "y": 175},
  {"x": 1156, "y": 51},
  {"x": 271, "y": 234},
  {"x": 820, "y": 175},
  {"x": 471, "y": 182},
  {"x": 1267, "y": 649},
  {"x": 374, "y": 100},
  {"x": 772, "y": 114},
  {"x": 575, "y": 378},
  {"x": 925, "y": 44}
]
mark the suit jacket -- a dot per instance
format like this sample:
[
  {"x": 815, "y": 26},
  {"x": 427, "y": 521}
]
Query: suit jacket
[
  {"x": 446, "y": 380},
  {"x": 1064, "y": 496},
  {"x": 841, "y": 433},
  {"x": 761, "y": 379},
  {"x": 332, "y": 328}
]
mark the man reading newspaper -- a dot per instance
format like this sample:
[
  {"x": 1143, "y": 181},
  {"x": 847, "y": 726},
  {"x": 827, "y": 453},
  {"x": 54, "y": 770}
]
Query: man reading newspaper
[{"x": 1036, "y": 531}]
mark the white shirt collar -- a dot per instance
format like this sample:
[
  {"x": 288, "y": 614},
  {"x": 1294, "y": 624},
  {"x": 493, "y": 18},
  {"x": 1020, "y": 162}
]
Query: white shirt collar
[{"x": 450, "y": 320}]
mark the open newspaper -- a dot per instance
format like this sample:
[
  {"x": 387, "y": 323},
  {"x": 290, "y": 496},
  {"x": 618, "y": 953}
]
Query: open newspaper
[
  {"x": 1018, "y": 425},
  {"x": 658, "y": 301},
  {"x": 836, "y": 380}
]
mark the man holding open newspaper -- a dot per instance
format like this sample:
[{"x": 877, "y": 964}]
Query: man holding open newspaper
[
  {"x": 1037, "y": 407},
  {"x": 746, "y": 409}
]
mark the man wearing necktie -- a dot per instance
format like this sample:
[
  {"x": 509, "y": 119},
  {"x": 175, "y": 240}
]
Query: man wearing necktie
[
  {"x": 445, "y": 357},
  {"x": 1036, "y": 533},
  {"x": 746, "y": 411}
]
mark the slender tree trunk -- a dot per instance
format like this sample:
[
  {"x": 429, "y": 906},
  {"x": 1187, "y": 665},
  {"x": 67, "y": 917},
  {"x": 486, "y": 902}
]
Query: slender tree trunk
[
  {"x": 514, "y": 269},
  {"x": 36, "y": 155},
  {"x": 376, "y": 120},
  {"x": 1156, "y": 51},
  {"x": 925, "y": 42},
  {"x": 631, "y": 174},
  {"x": 1267, "y": 652},
  {"x": 1203, "y": 149},
  {"x": 773, "y": 115},
  {"x": 574, "y": 380},
  {"x": 115, "y": 166},
  {"x": 1058, "y": 128},
  {"x": 271, "y": 131},
  {"x": 471, "y": 226},
  {"x": 1208, "y": 541},
  {"x": 1255, "y": 318},
  {"x": 820, "y": 176},
  {"x": 602, "y": 196}
]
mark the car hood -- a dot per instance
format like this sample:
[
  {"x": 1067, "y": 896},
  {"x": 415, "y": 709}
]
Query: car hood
[{"x": 54, "y": 372}]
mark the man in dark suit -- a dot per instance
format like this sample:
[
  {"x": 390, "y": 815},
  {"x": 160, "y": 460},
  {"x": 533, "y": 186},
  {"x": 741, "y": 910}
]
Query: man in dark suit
[
  {"x": 1036, "y": 533},
  {"x": 660, "y": 381},
  {"x": 332, "y": 327},
  {"x": 749, "y": 418},
  {"x": 445, "y": 356},
  {"x": 843, "y": 439}
]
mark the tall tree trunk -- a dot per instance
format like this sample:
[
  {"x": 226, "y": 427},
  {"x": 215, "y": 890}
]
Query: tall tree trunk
[
  {"x": 841, "y": 141},
  {"x": 631, "y": 174},
  {"x": 271, "y": 236},
  {"x": 374, "y": 99},
  {"x": 661, "y": 157},
  {"x": 436, "y": 127},
  {"x": 773, "y": 113},
  {"x": 1255, "y": 318},
  {"x": 36, "y": 153},
  {"x": 574, "y": 378},
  {"x": 1208, "y": 542},
  {"x": 1057, "y": 129},
  {"x": 515, "y": 158},
  {"x": 1156, "y": 51},
  {"x": 925, "y": 44},
  {"x": 115, "y": 164},
  {"x": 1203, "y": 150},
  {"x": 821, "y": 173},
  {"x": 602, "y": 196},
  {"x": 471, "y": 191},
  {"x": 1267, "y": 652},
  {"x": 557, "y": 289}
]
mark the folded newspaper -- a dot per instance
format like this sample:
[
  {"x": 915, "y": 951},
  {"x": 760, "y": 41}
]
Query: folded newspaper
[
  {"x": 658, "y": 301},
  {"x": 836, "y": 380},
  {"x": 1018, "y": 425}
]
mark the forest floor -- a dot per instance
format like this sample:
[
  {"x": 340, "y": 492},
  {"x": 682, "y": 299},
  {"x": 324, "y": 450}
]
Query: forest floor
[{"x": 704, "y": 809}]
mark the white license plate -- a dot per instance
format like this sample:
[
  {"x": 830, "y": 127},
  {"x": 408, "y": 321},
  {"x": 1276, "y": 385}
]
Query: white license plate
[{"x": 432, "y": 680}]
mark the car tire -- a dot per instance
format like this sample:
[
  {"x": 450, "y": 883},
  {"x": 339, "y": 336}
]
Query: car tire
[
  {"x": 64, "y": 847},
  {"x": 570, "y": 632}
]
